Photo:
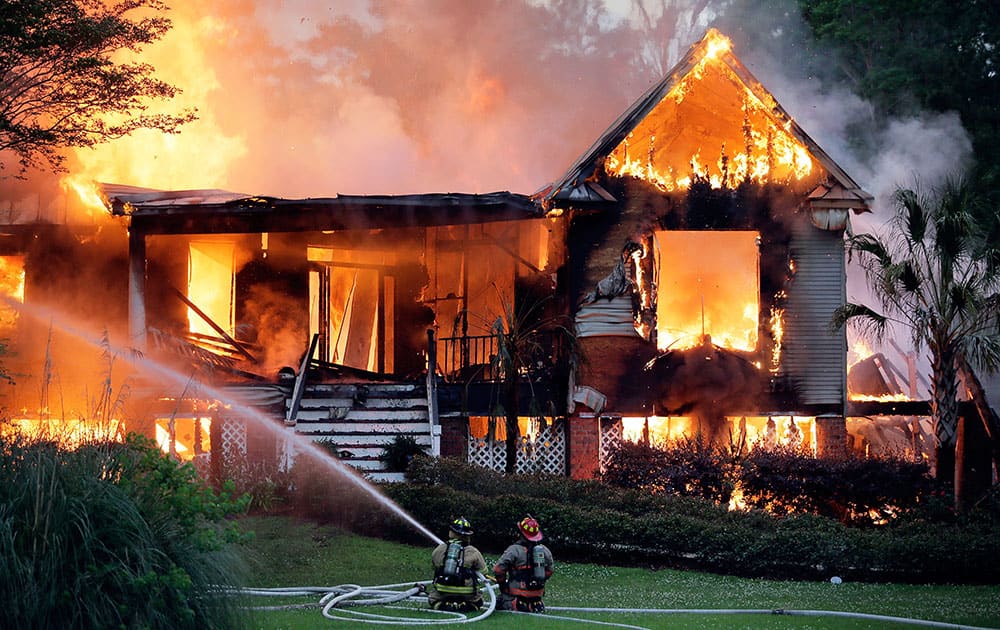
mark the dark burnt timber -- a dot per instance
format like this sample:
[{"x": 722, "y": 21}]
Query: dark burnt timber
[
  {"x": 895, "y": 408},
  {"x": 344, "y": 212}
]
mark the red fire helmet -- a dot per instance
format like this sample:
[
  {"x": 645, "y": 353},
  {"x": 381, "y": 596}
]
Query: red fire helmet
[{"x": 530, "y": 529}]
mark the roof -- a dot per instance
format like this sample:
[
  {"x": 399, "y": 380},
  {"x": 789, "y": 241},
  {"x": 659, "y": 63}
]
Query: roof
[
  {"x": 200, "y": 211},
  {"x": 574, "y": 185}
]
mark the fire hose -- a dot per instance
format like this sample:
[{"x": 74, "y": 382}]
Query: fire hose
[{"x": 337, "y": 603}]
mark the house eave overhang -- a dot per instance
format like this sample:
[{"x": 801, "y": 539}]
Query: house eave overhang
[
  {"x": 171, "y": 212},
  {"x": 830, "y": 205}
]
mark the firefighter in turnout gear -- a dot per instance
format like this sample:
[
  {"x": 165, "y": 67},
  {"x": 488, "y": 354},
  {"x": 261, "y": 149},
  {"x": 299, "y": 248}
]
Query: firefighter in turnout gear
[
  {"x": 456, "y": 563},
  {"x": 523, "y": 569}
]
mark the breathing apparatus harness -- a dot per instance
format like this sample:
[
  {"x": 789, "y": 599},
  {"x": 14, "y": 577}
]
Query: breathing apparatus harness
[
  {"x": 453, "y": 577},
  {"x": 532, "y": 573},
  {"x": 453, "y": 574}
]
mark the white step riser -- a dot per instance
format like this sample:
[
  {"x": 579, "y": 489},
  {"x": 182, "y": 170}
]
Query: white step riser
[
  {"x": 371, "y": 403},
  {"x": 363, "y": 453},
  {"x": 391, "y": 477},
  {"x": 317, "y": 428},
  {"x": 360, "y": 415},
  {"x": 367, "y": 439},
  {"x": 371, "y": 391}
]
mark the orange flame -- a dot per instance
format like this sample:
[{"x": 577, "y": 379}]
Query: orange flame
[
  {"x": 202, "y": 152},
  {"x": 86, "y": 190},
  {"x": 675, "y": 138},
  {"x": 719, "y": 297},
  {"x": 778, "y": 333}
]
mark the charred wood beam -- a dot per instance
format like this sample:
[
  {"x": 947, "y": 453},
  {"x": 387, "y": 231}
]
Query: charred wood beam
[
  {"x": 341, "y": 213},
  {"x": 514, "y": 255},
  {"x": 989, "y": 418},
  {"x": 895, "y": 408},
  {"x": 222, "y": 333}
]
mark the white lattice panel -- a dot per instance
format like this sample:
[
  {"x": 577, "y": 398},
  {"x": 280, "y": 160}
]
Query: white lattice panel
[
  {"x": 611, "y": 437},
  {"x": 486, "y": 452},
  {"x": 545, "y": 452},
  {"x": 233, "y": 435}
]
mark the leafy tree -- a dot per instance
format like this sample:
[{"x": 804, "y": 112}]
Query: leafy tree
[
  {"x": 937, "y": 273},
  {"x": 62, "y": 79},
  {"x": 912, "y": 55}
]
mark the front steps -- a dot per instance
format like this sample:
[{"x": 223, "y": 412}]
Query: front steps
[{"x": 359, "y": 420}]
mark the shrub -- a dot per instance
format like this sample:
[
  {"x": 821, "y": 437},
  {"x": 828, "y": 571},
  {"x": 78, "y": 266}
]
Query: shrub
[
  {"x": 689, "y": 468},
  {"x": 854, "y": 491},
  {"x": 598, "y": 522},
  {"x": 111, "y": 535},
  {"x": 781, "y": 481},
  {"x": 398, "y": 454}
]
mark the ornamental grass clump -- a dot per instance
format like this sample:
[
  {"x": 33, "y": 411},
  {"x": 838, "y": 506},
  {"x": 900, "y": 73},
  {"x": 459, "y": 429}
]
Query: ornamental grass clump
[{"x": 112, "y": 535}]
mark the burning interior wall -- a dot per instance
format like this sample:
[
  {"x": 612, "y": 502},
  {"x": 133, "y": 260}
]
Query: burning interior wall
[
  {"x": 62, "y": 280},
  {"x": 369, "y": 295}
]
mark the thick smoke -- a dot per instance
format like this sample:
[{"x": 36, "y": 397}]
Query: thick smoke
[{"x": 298, "y": 98}]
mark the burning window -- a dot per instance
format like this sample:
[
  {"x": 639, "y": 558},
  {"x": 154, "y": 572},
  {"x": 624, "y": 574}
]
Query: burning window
[
  {"x": 184, "y": 438},
  {"x": 12, "y": 286},
  {"x": 211, "y": 286},
  {"x": 709, "y": 285}
]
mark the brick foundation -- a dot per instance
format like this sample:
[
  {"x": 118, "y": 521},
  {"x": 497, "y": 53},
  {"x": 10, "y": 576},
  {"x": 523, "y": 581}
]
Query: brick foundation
[
  {"x": 454, "y": 437},
  {"x": 831, "y": 437},
  {"x": 584, "y": 447}
]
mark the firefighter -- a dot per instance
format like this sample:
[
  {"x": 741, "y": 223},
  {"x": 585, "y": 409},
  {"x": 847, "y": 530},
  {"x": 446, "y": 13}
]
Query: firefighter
[
  {"x": 523, "y": 569},
  {"x": 456, "y": 564}
]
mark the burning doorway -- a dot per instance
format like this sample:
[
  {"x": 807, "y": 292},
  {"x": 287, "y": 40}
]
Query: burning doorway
[
  {"x": 211, "y": 286},
  {"x": 352, "y": 297}
]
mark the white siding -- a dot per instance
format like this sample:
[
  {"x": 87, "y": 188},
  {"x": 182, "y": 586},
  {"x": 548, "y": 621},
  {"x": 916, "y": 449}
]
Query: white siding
[{"x": 814, "y": 356}]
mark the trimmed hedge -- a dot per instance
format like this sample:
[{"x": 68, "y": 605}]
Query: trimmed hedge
[
  {"x": 781, "y": 481},
  {"x": 591, "y": 521}
]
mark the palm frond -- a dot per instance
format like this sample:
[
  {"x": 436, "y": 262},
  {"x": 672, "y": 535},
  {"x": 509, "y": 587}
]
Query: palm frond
[
  {"x": 863, "y": 317},
  {"x": 871, "y": 246},
  {"x": 914, "y": 216},
  {"x": 982, "y": 349}
]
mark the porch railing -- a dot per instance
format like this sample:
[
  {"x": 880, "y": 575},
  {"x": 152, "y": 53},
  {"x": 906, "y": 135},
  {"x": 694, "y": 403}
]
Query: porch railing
[{"x": 470, "y": 358}]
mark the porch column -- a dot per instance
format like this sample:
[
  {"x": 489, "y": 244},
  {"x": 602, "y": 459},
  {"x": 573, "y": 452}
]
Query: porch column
[{"x": 137, "y": 289}]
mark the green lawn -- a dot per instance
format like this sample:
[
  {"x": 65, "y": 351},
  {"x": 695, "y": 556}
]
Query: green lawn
[{"x": 287, "y": 552}]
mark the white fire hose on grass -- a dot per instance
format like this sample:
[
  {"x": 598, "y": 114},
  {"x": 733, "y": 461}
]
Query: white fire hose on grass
[{"x": 337, "y": 604}]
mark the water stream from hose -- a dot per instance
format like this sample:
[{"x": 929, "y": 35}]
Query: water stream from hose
[{"x": 262, "y": 421}]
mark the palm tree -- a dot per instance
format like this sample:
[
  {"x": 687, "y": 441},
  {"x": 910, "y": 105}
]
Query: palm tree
[
  {"x": 936, "y": 272},
  {"x": 527, "y": 340}
]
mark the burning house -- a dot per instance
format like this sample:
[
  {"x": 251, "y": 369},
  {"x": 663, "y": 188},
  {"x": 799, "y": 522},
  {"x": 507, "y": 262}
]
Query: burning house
[
  {"x": 706, "y": 260},
  {"x": 696, "y": 250}
]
